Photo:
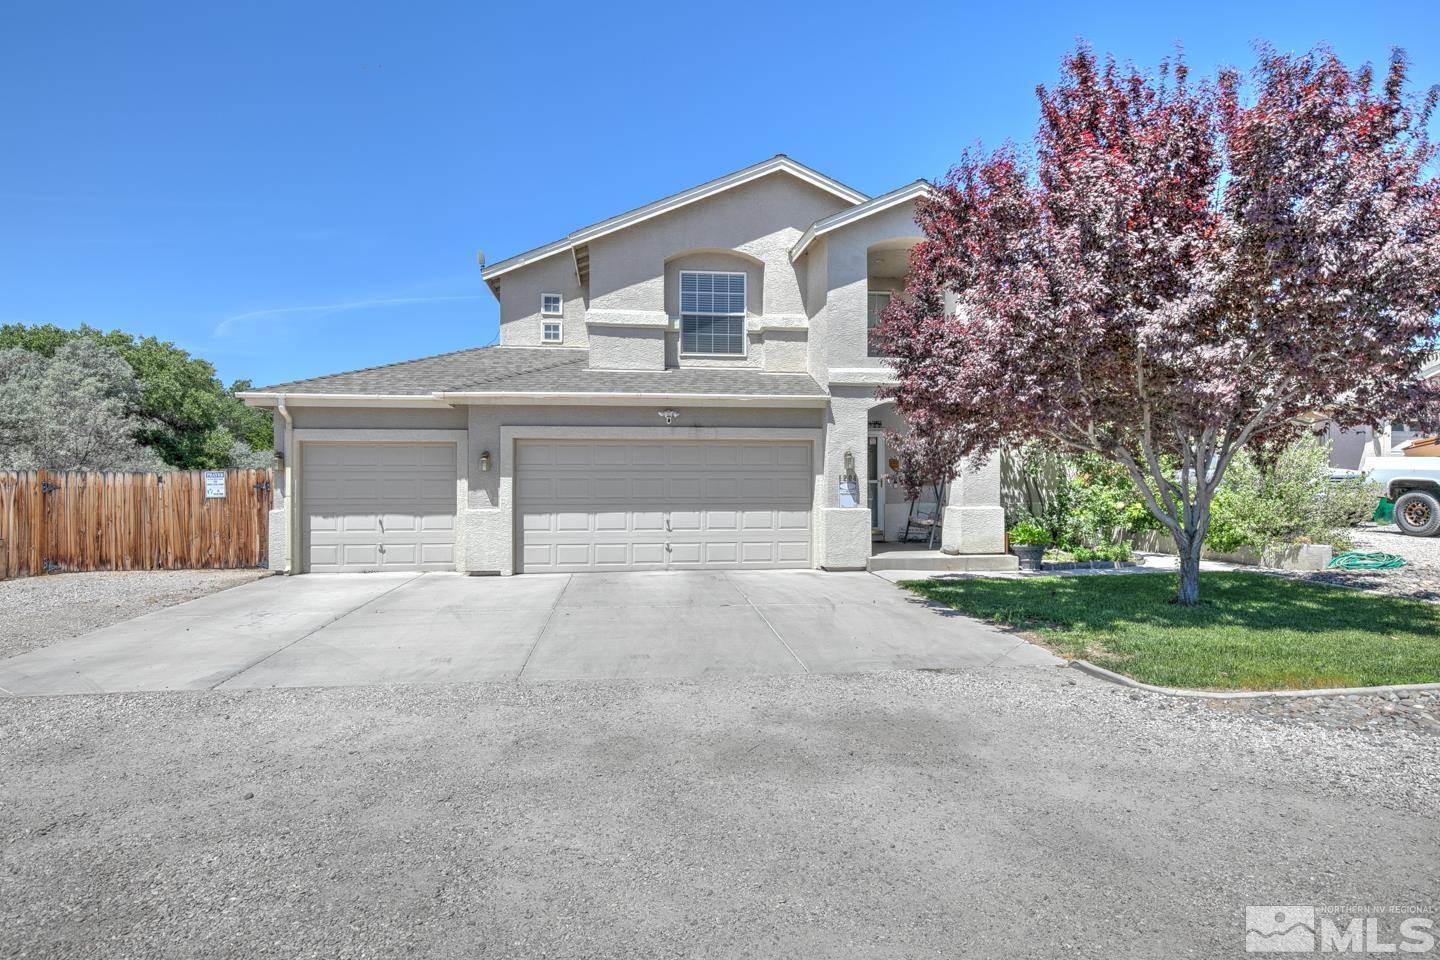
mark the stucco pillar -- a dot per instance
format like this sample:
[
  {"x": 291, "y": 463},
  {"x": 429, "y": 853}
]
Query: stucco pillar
[
  {"x": 974, "y": 519},
  {"x": 278, "y": 531},
  {"x": 843, "y": 534}
]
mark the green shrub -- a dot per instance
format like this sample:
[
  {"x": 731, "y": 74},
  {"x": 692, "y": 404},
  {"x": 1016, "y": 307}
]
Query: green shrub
[
  {"x": 1028, "y": 533},
  {"x": 1113, "y": 552},
  {"x": 1289, "y": 500},
  {"x": 1083, "y": 501},
  {"x": 1088, "y": 503}
]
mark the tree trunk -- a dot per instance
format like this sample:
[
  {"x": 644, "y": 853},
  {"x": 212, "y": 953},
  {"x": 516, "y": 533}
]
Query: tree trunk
[{"x": 1188, "y": 593}]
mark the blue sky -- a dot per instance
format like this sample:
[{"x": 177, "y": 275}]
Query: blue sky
[{"x": 296, "y": 189}]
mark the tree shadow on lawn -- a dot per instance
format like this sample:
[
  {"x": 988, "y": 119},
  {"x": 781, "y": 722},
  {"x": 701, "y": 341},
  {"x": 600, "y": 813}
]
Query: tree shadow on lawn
[
  {"x": 1251, "y": 631},
  {"x": 1231, "y": 599}
]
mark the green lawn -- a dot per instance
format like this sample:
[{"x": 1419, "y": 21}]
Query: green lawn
[{"x": 1250, "y": 631}]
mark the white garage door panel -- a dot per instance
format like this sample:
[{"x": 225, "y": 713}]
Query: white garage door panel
[
  {"x": 658, "y": 506},
  {"x": 378, "y": 506}
]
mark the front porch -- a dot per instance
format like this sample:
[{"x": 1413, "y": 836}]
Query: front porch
[{"x": 920, "y": 557}]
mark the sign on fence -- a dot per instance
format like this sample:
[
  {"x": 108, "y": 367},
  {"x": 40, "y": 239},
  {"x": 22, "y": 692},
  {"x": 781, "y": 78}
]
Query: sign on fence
[{"x": 214, "y": 484}]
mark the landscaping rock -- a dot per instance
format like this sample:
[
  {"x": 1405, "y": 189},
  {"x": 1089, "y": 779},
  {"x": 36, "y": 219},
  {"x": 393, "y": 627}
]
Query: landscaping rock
[
  {"x": 1416, "y": 712},
  {"x": 1419, "y": 579}
]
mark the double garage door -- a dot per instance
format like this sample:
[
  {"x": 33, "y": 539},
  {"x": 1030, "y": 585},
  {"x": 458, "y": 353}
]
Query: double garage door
[
  {"x": 378, "y": 506},
  {"x": 662, "y": 505}
]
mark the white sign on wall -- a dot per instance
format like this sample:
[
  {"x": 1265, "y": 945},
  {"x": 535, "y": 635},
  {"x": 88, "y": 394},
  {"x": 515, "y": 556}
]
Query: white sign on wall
[{"x": 214, "y": 484}]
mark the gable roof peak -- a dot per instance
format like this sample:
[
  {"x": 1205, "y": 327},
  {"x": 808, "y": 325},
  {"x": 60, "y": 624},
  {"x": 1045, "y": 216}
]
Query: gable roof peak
[{"x": 780, "y": 163}]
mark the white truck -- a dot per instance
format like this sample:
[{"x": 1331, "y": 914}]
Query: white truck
[{"x": 1413, "y": 483}]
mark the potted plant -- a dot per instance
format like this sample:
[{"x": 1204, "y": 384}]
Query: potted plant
[{"x": 1028, "y": 541}]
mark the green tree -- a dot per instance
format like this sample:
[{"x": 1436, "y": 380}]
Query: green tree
[
  {"x": 184, "y": 413},
  {"x": 73, "y": 409}
]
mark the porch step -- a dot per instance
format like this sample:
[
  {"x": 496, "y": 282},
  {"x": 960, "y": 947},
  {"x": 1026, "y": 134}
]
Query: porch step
[{"x": 938, "y": 561}]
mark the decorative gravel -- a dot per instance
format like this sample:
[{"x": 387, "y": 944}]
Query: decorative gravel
[
  {"x": 987, "y": 813},
  {"x": 35, "y": 611},
  {"x": 1419, "y": 579}
]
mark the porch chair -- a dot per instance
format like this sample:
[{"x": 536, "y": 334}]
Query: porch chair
[{"x": 927, "y": 522}]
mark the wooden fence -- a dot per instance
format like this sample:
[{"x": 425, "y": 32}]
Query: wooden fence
[{"x": 52, "y": 522}]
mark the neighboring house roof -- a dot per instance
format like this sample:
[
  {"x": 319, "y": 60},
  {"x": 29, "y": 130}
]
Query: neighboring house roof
[
  {"x": 776, "y": 164},
  {"x": 907, "y": 193},
  {"x": 530, "y": 372}
]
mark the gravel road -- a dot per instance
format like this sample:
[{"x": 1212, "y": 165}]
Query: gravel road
[
  {"x": 35, "y": 611},
  {"x": 998, "y": 813}
]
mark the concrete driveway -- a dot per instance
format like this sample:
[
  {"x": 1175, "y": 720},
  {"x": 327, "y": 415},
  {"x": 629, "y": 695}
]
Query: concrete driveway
[{"x": 407, "y": 628}]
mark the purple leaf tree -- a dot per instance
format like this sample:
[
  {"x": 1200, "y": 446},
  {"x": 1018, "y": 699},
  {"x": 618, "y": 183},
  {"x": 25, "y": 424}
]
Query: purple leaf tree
[{"x": 1183, "y": 269}]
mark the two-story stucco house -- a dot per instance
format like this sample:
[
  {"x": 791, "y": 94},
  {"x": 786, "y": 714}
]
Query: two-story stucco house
[{"x": 688, "y": 385}]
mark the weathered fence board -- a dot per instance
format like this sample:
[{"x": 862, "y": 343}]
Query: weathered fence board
[{"x": 62, "y": 521}]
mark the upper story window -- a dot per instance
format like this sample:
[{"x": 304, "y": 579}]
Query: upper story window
[
  {"x": 550, "y": 332},
  {"x": 876, "y": 305},
  {"x": 551, "y": 304},
  {"x": 712, "y": 313}
]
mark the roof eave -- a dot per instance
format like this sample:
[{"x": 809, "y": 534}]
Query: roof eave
[
  {"x": 630, "y": 399},
  {"x": 887, "y": 201},
  {"x": 450, "y": 398},
  {"x": 269, "y": 398}
]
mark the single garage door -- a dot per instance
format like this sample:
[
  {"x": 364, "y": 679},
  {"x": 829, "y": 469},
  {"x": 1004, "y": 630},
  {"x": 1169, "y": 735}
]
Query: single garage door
[
  {"x": 662, "y": 506},
  {"x": 378, "y": 506}
]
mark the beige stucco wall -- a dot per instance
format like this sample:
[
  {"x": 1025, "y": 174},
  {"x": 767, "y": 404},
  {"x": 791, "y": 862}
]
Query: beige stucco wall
[
  {"x": 761, "y": 220},
  {"x": 813, "y": 265},
  {"x": 633, "y": 274},
  {"x": 841, "y": 255},
  {"x": 375, "y": 418},
  {"x": 520, "y": 290},
  {"x": 785, "y": 351},
  {"x": 627, "y": 348}
]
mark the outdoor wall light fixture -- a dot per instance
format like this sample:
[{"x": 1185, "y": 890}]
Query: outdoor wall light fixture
[
  {"x": 485, "y": 460},
  {"x": 669, "y": 416},
  {"x": 849, "y": 463},
  {"x": 279, "y": 459}
]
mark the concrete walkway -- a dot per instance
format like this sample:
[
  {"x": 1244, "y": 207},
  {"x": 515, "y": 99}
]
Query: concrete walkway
[{"x": 406, "y": 628}]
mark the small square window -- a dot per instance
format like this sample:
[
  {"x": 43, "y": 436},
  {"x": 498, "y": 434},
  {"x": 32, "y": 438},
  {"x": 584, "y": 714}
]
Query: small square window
[
  {"x": 550, "y": 332},
  {"x": 551, "y": 304}
]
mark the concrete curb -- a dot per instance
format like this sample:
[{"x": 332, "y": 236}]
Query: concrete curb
[{"x": 1085, "y": 666}]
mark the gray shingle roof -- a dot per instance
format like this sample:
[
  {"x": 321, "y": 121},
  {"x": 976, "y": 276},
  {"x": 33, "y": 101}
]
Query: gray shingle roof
[{"x": 544, "y": 370}]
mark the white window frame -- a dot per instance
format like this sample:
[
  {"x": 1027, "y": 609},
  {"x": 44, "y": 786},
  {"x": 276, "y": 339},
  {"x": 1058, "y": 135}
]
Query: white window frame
[
  {"x": 743, "y": 315},
  {"x": 545, "y": 326},
  {"x": 558, "y": 311}
]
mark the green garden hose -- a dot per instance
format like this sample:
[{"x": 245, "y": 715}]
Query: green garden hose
[{"x": 1358, "y": 560}]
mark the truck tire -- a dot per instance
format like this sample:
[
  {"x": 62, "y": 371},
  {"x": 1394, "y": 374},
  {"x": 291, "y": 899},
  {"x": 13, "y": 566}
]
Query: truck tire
[{"x": 1418, "y": 513}]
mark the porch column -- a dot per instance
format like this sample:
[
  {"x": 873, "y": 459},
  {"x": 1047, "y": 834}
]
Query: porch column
[
  {"x": 842, "y": 534},
  {"x": 974, "y": 519}
]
